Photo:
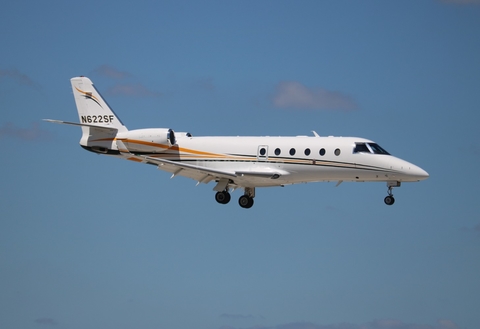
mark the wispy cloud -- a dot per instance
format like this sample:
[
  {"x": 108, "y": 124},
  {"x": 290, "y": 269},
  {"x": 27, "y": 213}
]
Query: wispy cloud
[
  {"x": 134, "y": 90},
  {"x": 376, "y": 324},
  {"x": 46, "y": 321},
  {"x": 475, "y": 149},
  {"x": 32, "y": 133},
  {"x": 475, "y": 229},
  {"x": 293, "y": 94},
  {"x": 240, "y": 316},
  {"x": 204, "y": 84},
  {"x": 125, "y": 88},
  {"x": 19, "y": 77},
  {"x": 111, "y": 72},
  {"x": 461, "y": 2}
]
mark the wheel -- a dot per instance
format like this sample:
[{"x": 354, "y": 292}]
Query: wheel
[
  {"x": 389, "y": 200},
  {"x": 245, "y": 201},
  {"x": 227, "y": 197},
  {"x": 222, "y": 197}
]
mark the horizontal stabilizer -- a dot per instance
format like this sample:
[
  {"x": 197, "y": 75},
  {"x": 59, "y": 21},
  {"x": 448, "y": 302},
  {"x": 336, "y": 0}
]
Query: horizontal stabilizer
[{"x": 110, "y": 128}]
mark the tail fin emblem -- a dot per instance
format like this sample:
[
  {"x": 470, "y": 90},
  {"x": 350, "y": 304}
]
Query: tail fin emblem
[{"x": 88, "y": 95}]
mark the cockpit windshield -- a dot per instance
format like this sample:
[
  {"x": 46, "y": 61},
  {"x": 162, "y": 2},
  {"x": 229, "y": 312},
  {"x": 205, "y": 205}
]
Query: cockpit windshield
[{"x": 372, "y": 148}]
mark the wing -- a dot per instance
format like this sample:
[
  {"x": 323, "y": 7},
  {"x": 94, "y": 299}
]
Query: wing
[
  {"x": 198, "y": 173},
  {"x": 265, "y": 177}
]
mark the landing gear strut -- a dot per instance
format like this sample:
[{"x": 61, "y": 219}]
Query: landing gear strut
[{"x": 389, "y": 199}]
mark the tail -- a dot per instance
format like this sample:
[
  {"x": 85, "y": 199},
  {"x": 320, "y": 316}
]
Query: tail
[
  {"x": 99, "y": 123},
  {"x": 92, "y": 108}
]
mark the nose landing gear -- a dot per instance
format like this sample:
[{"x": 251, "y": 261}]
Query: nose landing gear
[{"x": 389, "y": 199}]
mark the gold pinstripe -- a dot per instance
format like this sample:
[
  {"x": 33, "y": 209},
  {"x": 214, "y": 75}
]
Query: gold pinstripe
[
  {"x": 186, "y": 154},
  {"x": 88, "y": 94}
]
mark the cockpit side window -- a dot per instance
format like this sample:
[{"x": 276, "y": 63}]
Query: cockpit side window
[
  {"x": 361, "y": 148},
  {"x": 377, "y": 149},
  {"x": 369, "y": 148}
]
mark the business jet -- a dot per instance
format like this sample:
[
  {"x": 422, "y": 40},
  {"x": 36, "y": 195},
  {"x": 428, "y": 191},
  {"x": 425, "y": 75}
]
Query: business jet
[{"x": 237, "y": 162}]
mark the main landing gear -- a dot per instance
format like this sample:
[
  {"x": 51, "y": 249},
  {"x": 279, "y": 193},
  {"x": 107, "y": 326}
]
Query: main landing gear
[
  {"x": 222, "y": 197},
  {"x": 389, "y": 199},
  {"x": 245, "y": 201}
]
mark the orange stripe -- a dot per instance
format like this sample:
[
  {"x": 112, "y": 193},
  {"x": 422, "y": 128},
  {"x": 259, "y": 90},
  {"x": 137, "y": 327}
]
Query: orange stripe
[
  {"x": 88, "y": 94},
  {"x": 134, "y": 159},
  {"x": 173, "y": 148}
]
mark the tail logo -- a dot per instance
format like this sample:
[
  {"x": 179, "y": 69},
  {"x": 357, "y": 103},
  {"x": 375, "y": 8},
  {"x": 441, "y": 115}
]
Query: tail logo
[{"x": 88, "y": 95}]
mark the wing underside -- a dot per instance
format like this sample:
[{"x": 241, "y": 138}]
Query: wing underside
[{"x": 205, "y": 175}]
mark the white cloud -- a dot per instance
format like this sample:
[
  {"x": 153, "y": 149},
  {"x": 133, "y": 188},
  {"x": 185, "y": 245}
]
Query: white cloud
[
  {"x": 376, "y": 324},
  {"x": 461, "y": 2},
  {"x": 111, "y": 72},
  {"x": 19, "y": 77},
  {"x": 46, "y": 321},
  {"x": 135, "y": 90},
  {"x": 34, "y": 132},
  {"x": 293, "y": 94},
  {"x": 204, "y": 84},
  {"x": 475, "y": 229},
  {"x": 240, "y": 316}
]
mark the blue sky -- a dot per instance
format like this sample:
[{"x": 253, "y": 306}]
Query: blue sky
[{"x": 88, "y": 241}]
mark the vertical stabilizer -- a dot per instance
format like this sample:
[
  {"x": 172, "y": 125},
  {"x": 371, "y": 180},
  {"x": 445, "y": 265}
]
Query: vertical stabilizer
[
  {"x": 92, "y": 108},
  {"x": 93, "y": 111}
]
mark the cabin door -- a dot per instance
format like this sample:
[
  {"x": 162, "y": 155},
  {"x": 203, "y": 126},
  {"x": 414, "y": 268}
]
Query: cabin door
[{"x": 262, "y": 153}]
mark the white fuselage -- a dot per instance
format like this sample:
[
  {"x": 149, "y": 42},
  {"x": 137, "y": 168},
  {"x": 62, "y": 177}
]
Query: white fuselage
[
  {"x": 295, "y": 159},
  {"x": 232, "y": 162}
]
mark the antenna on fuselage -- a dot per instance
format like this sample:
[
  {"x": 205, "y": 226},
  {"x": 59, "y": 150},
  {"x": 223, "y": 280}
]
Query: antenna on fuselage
[{"x": 315, "y": 133}]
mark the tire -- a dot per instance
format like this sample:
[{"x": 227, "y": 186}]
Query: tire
[
  {"x": 245, "y": 201},
  {"x": 222, "y": 197},
  {"x": 389, "y": 200}
]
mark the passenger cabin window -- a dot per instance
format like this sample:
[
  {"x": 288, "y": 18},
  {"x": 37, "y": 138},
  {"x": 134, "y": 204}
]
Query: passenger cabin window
[
  {"x": 372, "y": 148},
  {"x": 277, "y": 151}
]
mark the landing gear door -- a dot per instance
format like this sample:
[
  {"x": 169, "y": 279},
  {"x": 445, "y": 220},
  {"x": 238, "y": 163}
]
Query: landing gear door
[{"x": 262, "y": 153}]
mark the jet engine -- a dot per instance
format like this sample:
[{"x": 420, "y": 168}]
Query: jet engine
[{"x": 148, "y": 140}]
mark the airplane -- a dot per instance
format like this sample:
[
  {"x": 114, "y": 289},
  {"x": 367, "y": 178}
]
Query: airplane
[{"x": 237, "y": 162}]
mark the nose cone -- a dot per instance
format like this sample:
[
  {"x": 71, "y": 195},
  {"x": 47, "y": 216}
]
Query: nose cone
[
  {"x": 417, "y": 173},
  {"x": 408, "y": 172}
]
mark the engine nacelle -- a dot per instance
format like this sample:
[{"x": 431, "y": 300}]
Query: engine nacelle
[{"x": 148, "y": 140}]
